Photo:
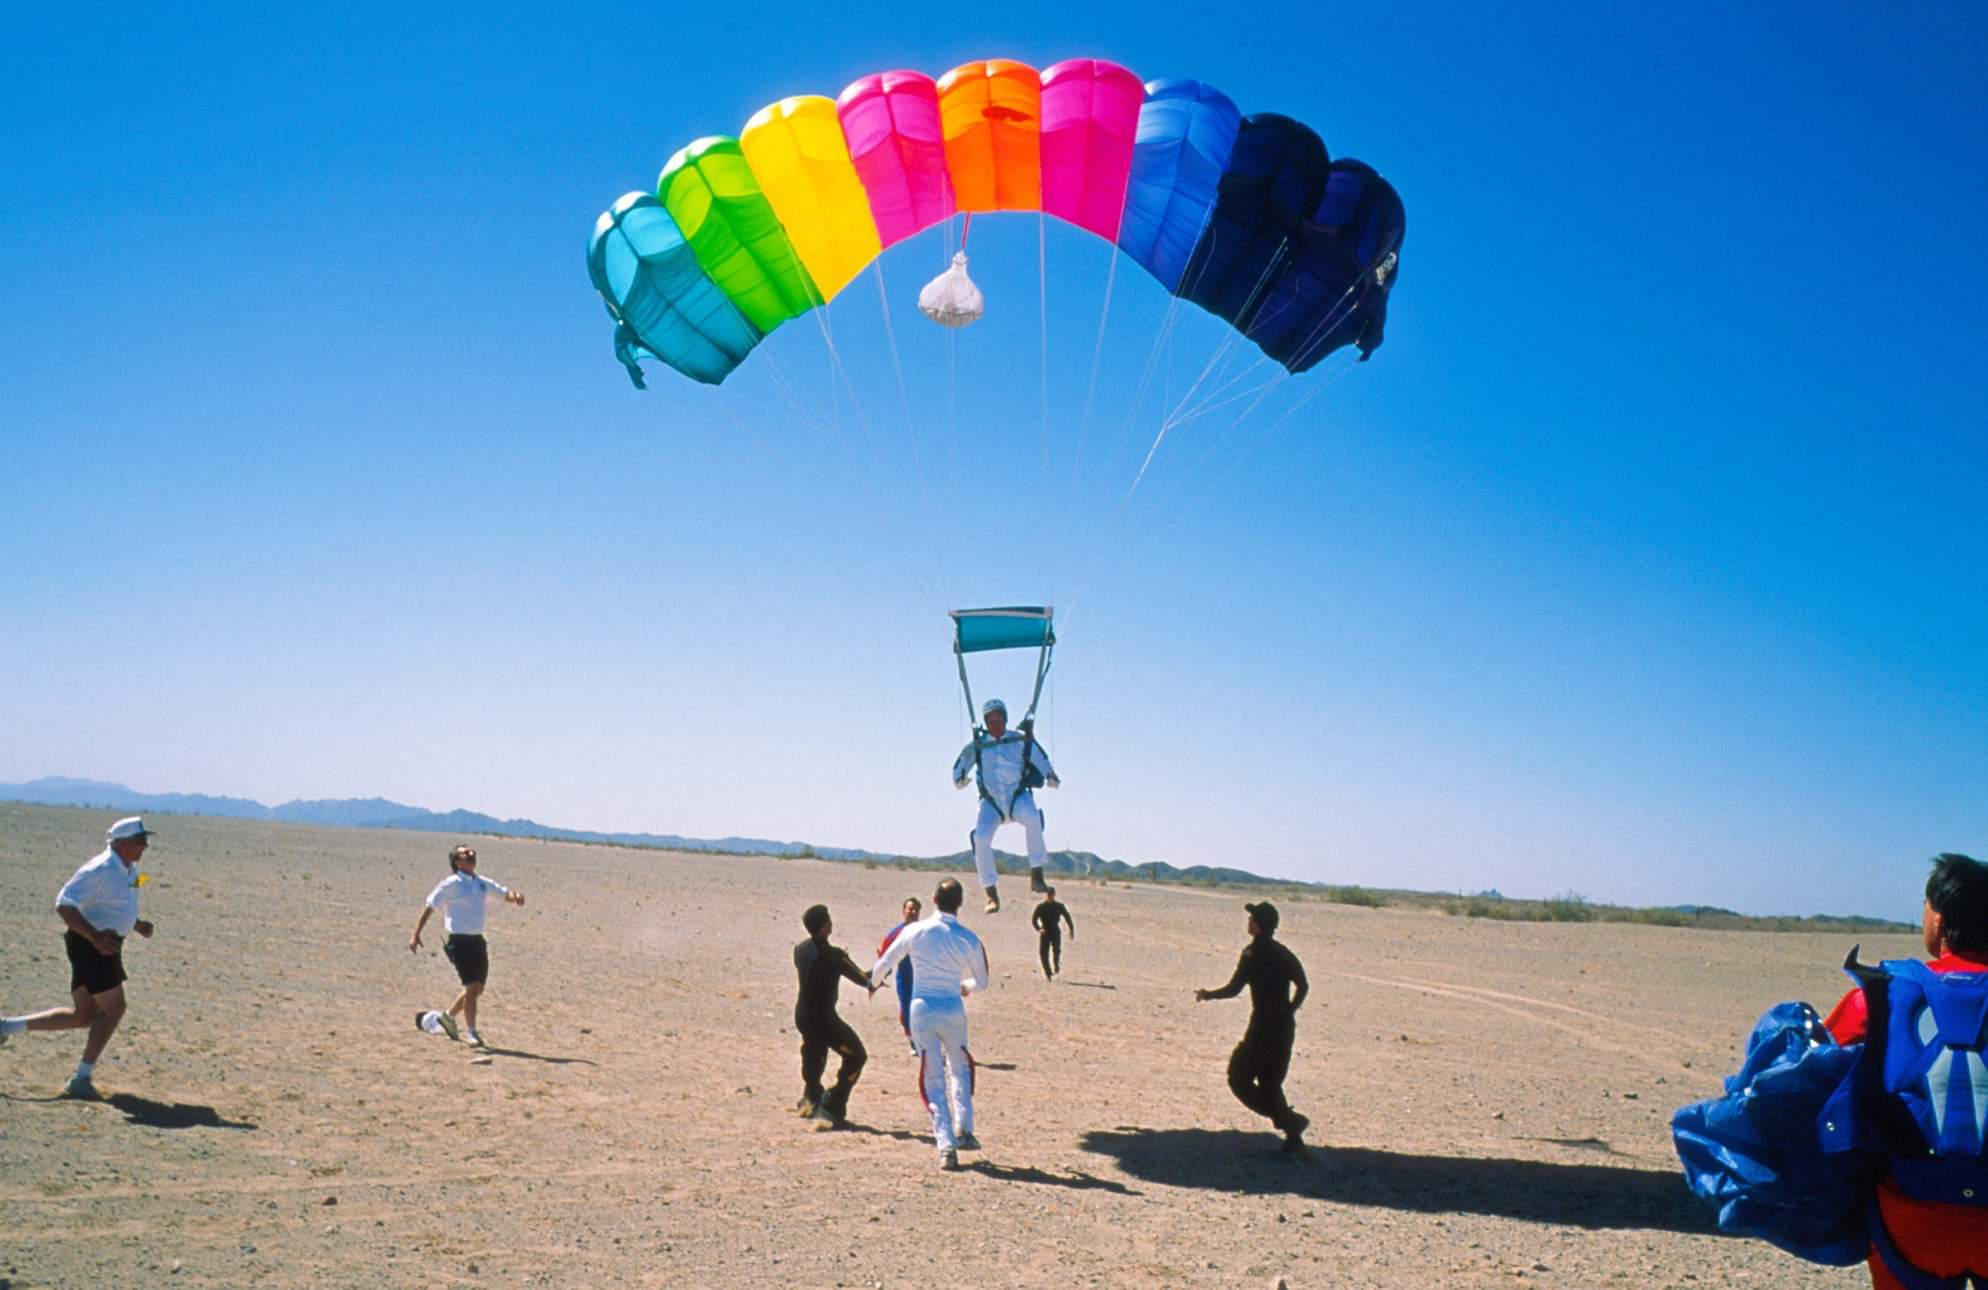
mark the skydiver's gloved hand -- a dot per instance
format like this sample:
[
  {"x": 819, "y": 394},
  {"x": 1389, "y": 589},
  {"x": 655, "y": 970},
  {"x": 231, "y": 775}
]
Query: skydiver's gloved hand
[
  {"x": 959, "y": 783},
  {"x": 1053, "y": 782}
]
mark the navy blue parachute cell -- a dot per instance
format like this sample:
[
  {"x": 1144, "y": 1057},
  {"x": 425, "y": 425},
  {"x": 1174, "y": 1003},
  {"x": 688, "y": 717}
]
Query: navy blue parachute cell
[
  {"x": 1275, "y": 179},
  {"x": 1339, "y": 269},
  {"x": 1187, "y": 132}
]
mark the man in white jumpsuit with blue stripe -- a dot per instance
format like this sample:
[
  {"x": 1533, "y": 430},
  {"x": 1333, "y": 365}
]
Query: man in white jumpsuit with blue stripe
[
  {"x": 948, "y": 962},
  {"x": 1007, "y": 762}
]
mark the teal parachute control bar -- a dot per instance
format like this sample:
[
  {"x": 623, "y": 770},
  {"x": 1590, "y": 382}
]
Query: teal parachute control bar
[{"x": 1012, "y": 627}]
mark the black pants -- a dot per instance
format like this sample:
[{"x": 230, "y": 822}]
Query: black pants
[
  {"x": 818, "y": 1036},
  {"x": 1257, "y": 1069},
  {"x": 1051, "y": 950}
]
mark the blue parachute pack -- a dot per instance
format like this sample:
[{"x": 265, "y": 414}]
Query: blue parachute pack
[{"x": 1793, "y": 1152}]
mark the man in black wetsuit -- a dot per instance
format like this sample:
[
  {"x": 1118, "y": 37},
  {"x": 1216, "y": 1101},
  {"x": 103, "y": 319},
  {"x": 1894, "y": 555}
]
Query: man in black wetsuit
[
  {"x": 1047, "y": 916},
  {"x": 1260, "y": 1062},
  {"x": 821, "y": 967}
]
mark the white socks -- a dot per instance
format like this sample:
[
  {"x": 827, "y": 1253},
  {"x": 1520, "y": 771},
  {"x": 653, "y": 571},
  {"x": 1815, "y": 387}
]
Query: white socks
[{"x": 85, "y": 1070}]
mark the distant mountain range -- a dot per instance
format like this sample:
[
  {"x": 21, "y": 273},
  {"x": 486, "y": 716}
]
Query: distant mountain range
[{"x": 379, "y": 813}]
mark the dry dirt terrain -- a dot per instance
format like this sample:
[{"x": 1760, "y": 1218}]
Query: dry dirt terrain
[{"x": 1490, "y": 1101}]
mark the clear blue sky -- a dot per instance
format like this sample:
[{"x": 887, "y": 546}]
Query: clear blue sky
[{"x": 1644, "y": 561}]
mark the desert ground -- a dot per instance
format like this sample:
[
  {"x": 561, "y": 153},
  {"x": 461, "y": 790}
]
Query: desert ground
[{"x": 1490, "y": 1101}]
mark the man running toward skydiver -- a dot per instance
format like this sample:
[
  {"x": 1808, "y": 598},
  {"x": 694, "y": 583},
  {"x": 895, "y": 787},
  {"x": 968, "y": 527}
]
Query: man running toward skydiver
[{"x": 1007, "y": 764}]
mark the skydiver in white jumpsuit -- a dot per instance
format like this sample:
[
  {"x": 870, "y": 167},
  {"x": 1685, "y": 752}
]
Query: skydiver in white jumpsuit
[
  {"x": 948, "y": 962},
  {"x": 1004, "y": 793}
]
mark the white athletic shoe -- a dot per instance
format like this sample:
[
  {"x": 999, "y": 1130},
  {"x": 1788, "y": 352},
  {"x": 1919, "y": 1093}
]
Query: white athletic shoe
[
  {"x": 475, "y": 1040},
  {"x": 949, "y": 1160},
  {"x": 81, "y": 1089}
]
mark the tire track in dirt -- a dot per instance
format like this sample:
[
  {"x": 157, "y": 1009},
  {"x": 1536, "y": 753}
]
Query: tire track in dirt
[{"x": 1533, "y": 1010}]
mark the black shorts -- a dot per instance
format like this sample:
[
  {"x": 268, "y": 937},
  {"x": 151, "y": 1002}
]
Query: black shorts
[
  {"x": 89, "y": 970},
  {"x": 471, "y": 957}
]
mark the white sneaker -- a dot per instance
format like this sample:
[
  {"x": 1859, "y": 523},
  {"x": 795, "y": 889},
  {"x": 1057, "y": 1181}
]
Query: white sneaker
[
  {"x": 80, "y": 1088},
  {"x": 475, "y": 1040},
  {"x": 949, "y": 1160}
]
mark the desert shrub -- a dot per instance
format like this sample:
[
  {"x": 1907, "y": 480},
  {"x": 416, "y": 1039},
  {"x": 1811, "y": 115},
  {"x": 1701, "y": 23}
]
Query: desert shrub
[
  {"x": 1569, "y": 907},
  {"x": 1355, "y": 896}
]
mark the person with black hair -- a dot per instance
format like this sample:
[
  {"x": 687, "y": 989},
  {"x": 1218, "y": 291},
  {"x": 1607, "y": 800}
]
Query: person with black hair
[
  {"x": 460, "y": 897},
  {"x": 1260, "y": 1062},
  {"x": 1939, "y": 1241},
  {"x": 950, "y": 964},
  {"x": 821, "y": 968},
  {"x": 1047, "y": 920}
]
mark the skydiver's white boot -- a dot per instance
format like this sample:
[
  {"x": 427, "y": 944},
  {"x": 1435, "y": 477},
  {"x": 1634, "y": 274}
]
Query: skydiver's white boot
[{"x": 993, "y": 901}]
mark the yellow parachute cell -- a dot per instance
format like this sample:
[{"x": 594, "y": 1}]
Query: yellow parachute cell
[{"x": 796, "y": 150}]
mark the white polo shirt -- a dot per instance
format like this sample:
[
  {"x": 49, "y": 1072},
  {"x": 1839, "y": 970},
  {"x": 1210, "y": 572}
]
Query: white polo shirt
[
  {"x": 460, "y": 898},
  {"x": 105, "y": 893}
]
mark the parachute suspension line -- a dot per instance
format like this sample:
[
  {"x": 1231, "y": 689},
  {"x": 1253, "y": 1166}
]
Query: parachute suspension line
[
  {"x": 1161, "y": 338},
  {"x": 1319, "y": 384},
  {"x": 1219, "y": 395},
  {"x": 1076, "y": 484},
  {"x": 903, "y": 394},
  {"x": 803, "y": 411},
  {"x": 863, "y": 479},
  {"x": 1042, "y": 331},
  {"x": 965, "y": 231},
  {"x": 1168, "y": 422},
  {"x": 913, "y": 439},
  {"x": 1211, "y": 405},
  {"x": 1222, "y": 352}
]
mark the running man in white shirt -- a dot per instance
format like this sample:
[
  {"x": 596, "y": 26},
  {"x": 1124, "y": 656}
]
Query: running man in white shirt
[
  {"x": 460, "y": 897},
  {"x": 948, "y": 962},
  {"x": 98, "y": 907}
]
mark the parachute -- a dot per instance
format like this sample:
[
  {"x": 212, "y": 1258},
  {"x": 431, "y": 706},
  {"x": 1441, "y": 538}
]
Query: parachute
[{"x": 1247, "y": 217}]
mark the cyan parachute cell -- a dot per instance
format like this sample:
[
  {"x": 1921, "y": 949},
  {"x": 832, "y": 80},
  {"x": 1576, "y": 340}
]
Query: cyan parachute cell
[
  {"x": 1186, "y": 132},
  {"x": 663, "y": 304}
]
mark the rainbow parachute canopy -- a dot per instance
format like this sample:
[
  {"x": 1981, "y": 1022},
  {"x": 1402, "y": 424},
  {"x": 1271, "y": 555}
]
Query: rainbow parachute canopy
[{"x": 1247, "y": 217}]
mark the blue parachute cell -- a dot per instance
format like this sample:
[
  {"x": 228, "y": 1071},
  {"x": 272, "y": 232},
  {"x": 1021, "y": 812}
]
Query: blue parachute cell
[
  {"x": 1276, "y": 179},
  {"x": 665, "y": 305},
  {"x": 1339, "y": 269},
  {"x": 1186, "y": 132}
]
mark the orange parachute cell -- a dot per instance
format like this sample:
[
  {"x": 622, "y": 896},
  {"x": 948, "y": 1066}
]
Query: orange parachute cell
[{"x": 991, "y": 114}]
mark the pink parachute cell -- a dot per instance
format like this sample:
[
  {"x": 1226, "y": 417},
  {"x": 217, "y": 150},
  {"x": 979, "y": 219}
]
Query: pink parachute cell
[
  {"x": 891, "y": 121},
  {"x": 1090, "y": 119}
]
